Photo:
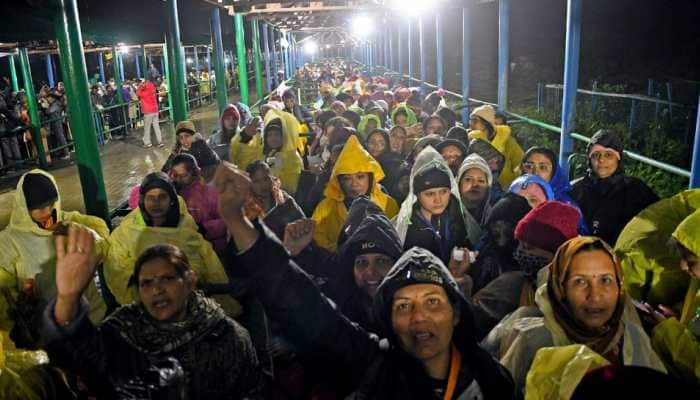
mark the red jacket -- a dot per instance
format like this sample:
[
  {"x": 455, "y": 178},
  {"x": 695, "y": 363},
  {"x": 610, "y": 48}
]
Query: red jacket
[{"x": 147, "y": 94}]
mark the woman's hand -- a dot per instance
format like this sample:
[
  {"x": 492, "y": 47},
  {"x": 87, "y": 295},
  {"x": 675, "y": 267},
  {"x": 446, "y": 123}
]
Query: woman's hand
[
  {"x": 76, "y": 261},
  {"x": 298, "y": 235}
]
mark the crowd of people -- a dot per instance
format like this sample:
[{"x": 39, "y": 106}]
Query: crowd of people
[
  {"x": 16, "y": 144},
  {"x": 368, "y": 246}
]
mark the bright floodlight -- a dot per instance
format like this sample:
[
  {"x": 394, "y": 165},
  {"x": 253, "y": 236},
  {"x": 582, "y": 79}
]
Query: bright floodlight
[
  {"x": 362, "y": 26},
  {"x": 228, "y": 60},
  {"x": 124, "y": 49},
  {"x": 189, "y": 60},
  {"x": 413, "y": 8},
  {"x": 283, "y": 42},
  {"x": 310, "y": 48}
]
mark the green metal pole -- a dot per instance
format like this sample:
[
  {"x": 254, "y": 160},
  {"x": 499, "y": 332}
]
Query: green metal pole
[
  {"x": 31, "y": 105},
  {"x": 13, "y": 74},
  {"x": 176, "y": 65},
  {"x": 117, "y": 75},
  {"x": 166, "y": 72},
  {"x": 219, "y": 62},
  {"x": 257, "y": 59},
  {"x": 70, "y": 45},
  {"x": 242, "y": 68}
]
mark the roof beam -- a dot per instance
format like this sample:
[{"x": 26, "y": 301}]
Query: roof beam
[{"x": 308, "y": 9}]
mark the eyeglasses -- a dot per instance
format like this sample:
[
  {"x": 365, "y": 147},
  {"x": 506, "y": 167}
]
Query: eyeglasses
[
  {"x": 531, "y": 167},
  {"x": 603, "y": 155}
]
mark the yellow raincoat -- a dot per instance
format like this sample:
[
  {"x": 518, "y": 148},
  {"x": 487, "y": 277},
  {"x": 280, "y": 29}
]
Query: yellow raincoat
[
  {"x": 647, "y": 259},
  {"x": 243, "y": 154},
  {"x": 204, "y": 89},
  {"x": 26, "y": 375},
  {"x": 678, "y": 348},
  {"x": 516, "y": 339},
  {"x": 557, "y": 371},
  {"x": 28, "y": 252},
  {"x": 289, "y": 163},
  {"x": 506, "y": 144},
  {"x": 133, "y": 236},
  {"x": 330, "y": 214}
]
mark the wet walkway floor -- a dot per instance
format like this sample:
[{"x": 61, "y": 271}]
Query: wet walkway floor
[{"x": 124, "y": 164}]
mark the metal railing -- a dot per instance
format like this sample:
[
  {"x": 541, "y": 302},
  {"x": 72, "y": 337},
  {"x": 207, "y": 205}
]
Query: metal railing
[{"x": 551, "y": 128}]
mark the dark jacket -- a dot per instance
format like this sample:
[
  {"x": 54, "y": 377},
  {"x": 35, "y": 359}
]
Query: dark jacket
[
  {"x": 440, "y": 235},
  {"x": 496, "y": 254},
  {"x": 215, "y": 352},
  {"x": 609, "y": 204},
  {"x": 342, "y": 289},
  {"x": 206, "y": 158},
  {"x": 301, "y": 114},
  {"x": 292, "y": 299}
]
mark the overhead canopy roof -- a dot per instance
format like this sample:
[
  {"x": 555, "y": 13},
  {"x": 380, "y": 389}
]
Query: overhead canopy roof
[{"x": 28, "y": 22}]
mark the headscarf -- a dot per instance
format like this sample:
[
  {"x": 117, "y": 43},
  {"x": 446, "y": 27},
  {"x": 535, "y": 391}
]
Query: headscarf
[{"x": 605, "y": 342}]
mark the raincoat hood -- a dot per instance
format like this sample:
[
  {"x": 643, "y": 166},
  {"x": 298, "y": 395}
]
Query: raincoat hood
[
  {"x": 353, "y": 159},
  {"x": 410, "y": 115},
  {"x": 420, "y": 266},
  {"x": 426, "y": 159},
  {"x": 651, "y": 266},
  {"x": 560, "y": 182},
  {"x": 688, "y": 233},
  {"x": 290, "y": 128},
  {"x": 526, "y": 180},
  {"x": 244, "y": 111},
  {"x": 20, "y": 218},
  {"x": 362, "y": 126}
]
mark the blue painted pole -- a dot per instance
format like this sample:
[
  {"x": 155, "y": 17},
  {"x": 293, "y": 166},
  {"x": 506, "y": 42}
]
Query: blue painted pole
[
  {"x": 287, "y": 67},
  {"x": 266, "y": 44},
  {"x": 387, "y": 50},
  {"x": 503, "y": 55},
  {"x": 466, "y": 46},
  {"x": 440, "y": 48},
  {"x": 410, "y": 51},
  {"x": 399, "y": 49},
  {"x": 695, "y": 164},
  {"x": 196, "y": 61},
  {"x": 209, "y": 60},
  {"x": 633, "y": 116},
  {"x": 275, "y": 60},
  {"x": 101, "y": 64},
  {"x": 121, "y": 65},
  {"x": 423, "y": 61},
  {"x": 49, "y": 70},
  {"x": 571, "y": 61},
  {"x": 219, "y": 80},
  {"x": 539, "y": 97},
  {"x": 390, "y": 34},
  {"x": 138, "y": 66}
]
